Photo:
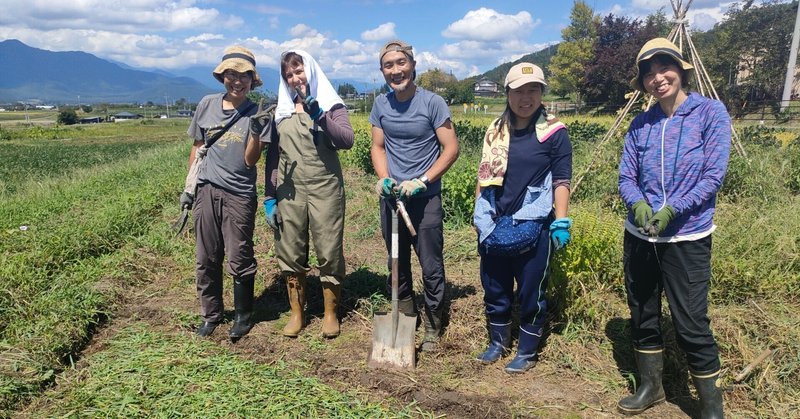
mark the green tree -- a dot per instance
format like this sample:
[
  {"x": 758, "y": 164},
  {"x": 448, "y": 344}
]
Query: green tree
[
  {"x": 435, "y": 80},
  {"x": 86, "y": 108},
  {"x": 460, "y": 91},
  {"x": 567, "y": 67},
  {"x": 747, "y": 54},
  {"x": 346, "y": 89},
  {"x": 68, "y": 117}
]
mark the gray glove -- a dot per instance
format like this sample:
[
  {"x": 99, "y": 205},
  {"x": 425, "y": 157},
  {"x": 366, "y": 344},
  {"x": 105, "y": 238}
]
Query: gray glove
[
  {"x": 261, "y": 119},
  {"x": 187, "y": 200}
]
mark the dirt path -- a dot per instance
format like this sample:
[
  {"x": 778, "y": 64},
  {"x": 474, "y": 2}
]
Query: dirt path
[{"x": 446, "y": 382}]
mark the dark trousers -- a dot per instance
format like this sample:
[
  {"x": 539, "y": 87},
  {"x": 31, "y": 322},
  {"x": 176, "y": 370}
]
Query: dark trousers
[
  {"x": 223, "y": 225},
  {"x": 426, "y": 217},
  {"x": 682, "y": 270},
  {"x": 531, "y": 272}
]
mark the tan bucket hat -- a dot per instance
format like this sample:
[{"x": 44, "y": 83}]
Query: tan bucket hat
[
  {"x": 239, "y": 59},
  {"x": 523, "y": 73},
  {"x": 396, "y": 45},
  {"x": 654, "y": 47}
]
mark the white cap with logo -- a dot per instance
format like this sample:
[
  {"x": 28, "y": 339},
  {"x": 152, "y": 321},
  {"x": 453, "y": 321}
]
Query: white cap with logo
[{"x": 524, "y": 73}]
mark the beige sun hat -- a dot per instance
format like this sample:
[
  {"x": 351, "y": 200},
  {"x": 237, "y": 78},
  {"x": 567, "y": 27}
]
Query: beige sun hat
[
  {"x": 239, "y": 59},
  {"x": 524, "y": 73},
  {"x": 398, "y": 46},
  {"x": 654, "y": 47}
]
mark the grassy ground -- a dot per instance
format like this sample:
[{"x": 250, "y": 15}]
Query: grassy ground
[{"x": 97, "y": 303}]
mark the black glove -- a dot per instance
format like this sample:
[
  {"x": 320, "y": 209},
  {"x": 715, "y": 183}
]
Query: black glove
[
  {"x": 187, "y": 200},
  {"x": 261, "y": 119}
]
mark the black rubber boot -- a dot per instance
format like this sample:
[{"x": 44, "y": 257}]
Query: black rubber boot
[
  {"x": 407, "y": 306},
  {"x": 205, "y": 329},
  {"x": 650, "y": 391},
  {"x": 710, "y": 395},
  {"x": 243, "y": 302},
  {"x": 499, "y": 343},
  {"x": 433, "y": 329}
]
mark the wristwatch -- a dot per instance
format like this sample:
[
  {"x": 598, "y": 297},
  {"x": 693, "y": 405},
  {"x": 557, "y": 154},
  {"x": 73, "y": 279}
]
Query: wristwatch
[{"x": 424, "y": 180}]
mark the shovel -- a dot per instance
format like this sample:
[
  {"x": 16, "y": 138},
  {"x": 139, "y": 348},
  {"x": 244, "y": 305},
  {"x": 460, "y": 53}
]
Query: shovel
[{"x": 393, "y": 333}]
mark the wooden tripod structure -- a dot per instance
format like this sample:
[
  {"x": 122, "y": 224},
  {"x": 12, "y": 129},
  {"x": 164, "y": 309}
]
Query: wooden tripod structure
[{"x": 679, "y": 35}]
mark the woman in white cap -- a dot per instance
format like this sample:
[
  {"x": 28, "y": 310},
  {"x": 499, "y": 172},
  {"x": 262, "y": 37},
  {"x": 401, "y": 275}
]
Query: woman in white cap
[
  {"x": 304, "y": 186},
  {"x": 673, "y": 163},
  {"x": 521, "y": 214},
  {"x": 225, "y": 204}
]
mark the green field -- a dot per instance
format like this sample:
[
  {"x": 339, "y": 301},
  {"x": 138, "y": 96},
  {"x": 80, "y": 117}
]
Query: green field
[{"x": 96, "y": 295}]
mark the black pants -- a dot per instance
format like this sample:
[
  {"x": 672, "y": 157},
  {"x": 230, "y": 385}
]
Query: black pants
[
  {"x": 682, "y": 270},
  {"x": 426, "y": 217}
]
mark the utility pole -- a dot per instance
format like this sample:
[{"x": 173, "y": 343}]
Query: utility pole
[
  {"x": 790, "y": 70},
  {"x": 166, "y": 100}
]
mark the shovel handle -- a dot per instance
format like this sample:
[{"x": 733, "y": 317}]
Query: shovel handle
[{"x": 401, "y": 208}]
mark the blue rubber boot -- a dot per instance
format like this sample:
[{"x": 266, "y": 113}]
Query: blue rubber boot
[
  {"x": 526, "y": 352},
  {"x": 499, "y": 343}
]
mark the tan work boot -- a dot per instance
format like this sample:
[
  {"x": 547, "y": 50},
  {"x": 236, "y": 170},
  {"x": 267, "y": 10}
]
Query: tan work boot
[
  {"x": 330, "y": 321},
  {"x": 296, "y": 288}
]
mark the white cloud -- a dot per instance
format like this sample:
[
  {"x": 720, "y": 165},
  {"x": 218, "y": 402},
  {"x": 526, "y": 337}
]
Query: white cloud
[
  {"x": 489, "y": 25},
  {"x": 384, "y": 31},
  {"x": 302, "y": 30},
  {"x": 204, "y": 37}
]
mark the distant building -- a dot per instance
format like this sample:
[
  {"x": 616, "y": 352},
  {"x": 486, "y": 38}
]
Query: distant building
[
  {"x": 91, "y": 120},
  {"x": 486, "y": 88},
  {"x": 126, "y": 116},
  {"x": 185, "y": 113}
]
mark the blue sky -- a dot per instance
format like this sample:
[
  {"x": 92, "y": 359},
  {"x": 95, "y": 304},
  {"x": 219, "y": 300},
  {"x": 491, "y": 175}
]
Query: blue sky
[{"x": 464, "y": 37}]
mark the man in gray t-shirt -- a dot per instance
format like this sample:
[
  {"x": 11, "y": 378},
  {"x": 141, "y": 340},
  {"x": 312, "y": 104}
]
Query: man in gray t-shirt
[{"x": 413, "y": 145}]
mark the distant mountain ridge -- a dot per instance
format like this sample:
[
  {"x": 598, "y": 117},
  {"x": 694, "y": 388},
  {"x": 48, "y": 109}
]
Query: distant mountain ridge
[
  {"x": 32, "y": 74},
  {"x": 541, "y": 58}
]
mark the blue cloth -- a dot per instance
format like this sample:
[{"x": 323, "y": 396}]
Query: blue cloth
[
  {"x": 409, "y": 134},
  {"x": 679, "y": 161},
  {"x": 537, "y": 204}
]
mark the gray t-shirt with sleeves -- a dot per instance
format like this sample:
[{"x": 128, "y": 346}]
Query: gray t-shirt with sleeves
[
  {"x": 224, "y": 165},
  {"x": 409, "y": 132}
]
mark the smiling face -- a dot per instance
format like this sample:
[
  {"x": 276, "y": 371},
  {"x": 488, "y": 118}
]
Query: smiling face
[
  {"x": 398, "y": 71},
  {"x": 662, "y": 78},
  {"x": 237, "y": 85},
  {"x": 524, "y": 101},
  {"x": 295, "y": 77}
]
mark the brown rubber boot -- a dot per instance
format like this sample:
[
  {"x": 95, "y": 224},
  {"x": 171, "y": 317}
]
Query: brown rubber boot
[
  {"x": 296, "y": 288},
  {"x": 330, "y": 321}
]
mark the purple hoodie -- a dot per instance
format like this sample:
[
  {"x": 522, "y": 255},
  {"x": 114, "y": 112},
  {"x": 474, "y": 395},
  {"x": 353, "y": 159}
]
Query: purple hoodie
[{"x": 679, "y": 161}]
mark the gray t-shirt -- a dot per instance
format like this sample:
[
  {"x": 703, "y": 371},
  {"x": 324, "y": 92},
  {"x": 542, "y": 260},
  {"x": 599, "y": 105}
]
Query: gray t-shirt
[
  {"x": 409, "y": 132},
  {"x": 224, "y": 165}
]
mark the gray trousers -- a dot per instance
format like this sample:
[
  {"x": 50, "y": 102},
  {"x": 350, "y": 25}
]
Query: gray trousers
[
  {"x": 426, "y": 217},
  {"x": 223, "y": 225}
]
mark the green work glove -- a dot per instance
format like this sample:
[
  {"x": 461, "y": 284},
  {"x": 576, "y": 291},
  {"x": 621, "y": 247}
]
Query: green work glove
[
  {"x": 261, "y": 119},
  {"x": 386, "y": 187},
  {"x": 659, "y": 221},
  {"x": 410, "y": 188},
  {"x": 641, "y": 213}
]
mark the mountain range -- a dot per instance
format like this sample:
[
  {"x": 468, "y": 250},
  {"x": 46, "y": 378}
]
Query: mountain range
[{"x": 39, "y": 76}]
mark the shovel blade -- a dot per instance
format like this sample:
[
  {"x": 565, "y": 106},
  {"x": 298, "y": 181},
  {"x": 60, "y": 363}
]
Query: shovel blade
[{"x": 393, "y": 350}]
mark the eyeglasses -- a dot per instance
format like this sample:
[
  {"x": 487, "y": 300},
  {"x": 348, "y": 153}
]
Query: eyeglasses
[{"x": 233, "y": 76}]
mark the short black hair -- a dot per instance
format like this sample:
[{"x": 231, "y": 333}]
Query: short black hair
[{"x": 665, "y": 60}]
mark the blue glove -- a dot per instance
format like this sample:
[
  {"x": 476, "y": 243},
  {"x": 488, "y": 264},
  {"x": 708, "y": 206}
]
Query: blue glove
[
  {"x": 559, "y": 232},
  {"x": 271, "y": 211},
  {"x": 313, "y": 107}
]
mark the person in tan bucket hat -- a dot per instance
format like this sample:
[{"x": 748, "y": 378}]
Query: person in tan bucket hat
[
  {"x": 673, "y": 163},
  {"x": 662, "y": 49},
  {"x": 240, "y": 60},
  {"x": 228, "y": 132}
]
